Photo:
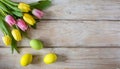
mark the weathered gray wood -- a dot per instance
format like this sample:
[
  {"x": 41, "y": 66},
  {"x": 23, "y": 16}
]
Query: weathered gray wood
[
  {"x": 76, "y": 34},
  {"x": 88, "y": 26},
  {"x": 68, "y": 58},
  {"x": 82, "y": 9}
]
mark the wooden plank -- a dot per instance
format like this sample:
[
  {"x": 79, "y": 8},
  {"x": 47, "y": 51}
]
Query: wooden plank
[
  {"x": 68, "y": 58},
  {"x": 82, "y": 9},
  {"x": 75, "y": 34}
]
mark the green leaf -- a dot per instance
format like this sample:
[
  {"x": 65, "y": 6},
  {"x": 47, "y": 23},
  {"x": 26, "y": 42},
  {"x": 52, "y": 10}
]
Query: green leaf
[
  {"x": 14, "y": 45},
  {"x": 6, "y": 28},
  {"x": 34, "y": 26},
  {"x": 1, "y": 25},
  {"x": 41, "y": 4},
  {"x": 16, "y": 13},
  {"x": 25, "y": 34},
  {"x": 12, "y": 48}
]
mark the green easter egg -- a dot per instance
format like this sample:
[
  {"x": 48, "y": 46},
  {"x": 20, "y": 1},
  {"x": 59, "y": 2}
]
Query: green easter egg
[{"x": 36, "y": 44}]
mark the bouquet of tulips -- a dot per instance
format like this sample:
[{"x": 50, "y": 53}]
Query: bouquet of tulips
[{"x": 17, "y": 17}]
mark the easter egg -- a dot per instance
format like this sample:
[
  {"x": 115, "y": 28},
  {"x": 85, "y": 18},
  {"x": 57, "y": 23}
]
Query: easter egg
[
  {"x": 50, "y": 58},
  {"x": 26, "y": 59},
  {"x": 36, "y": 44}
]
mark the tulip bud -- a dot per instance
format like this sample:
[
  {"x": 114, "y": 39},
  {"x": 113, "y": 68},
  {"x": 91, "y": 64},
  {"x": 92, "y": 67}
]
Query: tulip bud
[
  {"x": 7, "y": 40},
  {"x": 24, "y": 7},
  {"x": 22, "y": 25},
  {"x": 29, "y": 19},
  {"x": 10, "y": 20},
  {"x": 16, "y": 34},
  {"x": 37, "y": 13}
]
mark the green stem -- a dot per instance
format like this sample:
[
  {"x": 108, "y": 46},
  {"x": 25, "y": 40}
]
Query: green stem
[
  {"x": 4, "y": 8},
  {"x": 12, "y": 7},
  {"x": 2, "y": 12},
  {"x": 11, "y": 2}
]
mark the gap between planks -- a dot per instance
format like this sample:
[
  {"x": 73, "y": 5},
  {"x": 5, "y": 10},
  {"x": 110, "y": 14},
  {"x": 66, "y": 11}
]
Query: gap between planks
[
  {"x": 77, "y": 20},
  {"x": 68, "y": 47}
]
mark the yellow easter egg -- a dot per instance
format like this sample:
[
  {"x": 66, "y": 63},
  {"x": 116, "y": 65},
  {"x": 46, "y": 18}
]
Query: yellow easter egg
[
  {"x": 50, "y": 58},
  {"x": 26, "y": 59}
]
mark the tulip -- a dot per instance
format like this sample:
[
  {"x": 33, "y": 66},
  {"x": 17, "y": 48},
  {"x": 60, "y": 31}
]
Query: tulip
[
  {"x": 7, "y": 40},
  {"x": 22, "y": 25},
  {"x": 24, "y": 7},
  {"x": 29, "y": 19},
  {"x": 16, "y": 34},
  {"x": 10, "y": 20},
  {"x": 39, "y": 14}
]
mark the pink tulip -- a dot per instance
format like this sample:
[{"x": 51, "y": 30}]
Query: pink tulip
[
  {"x": 39, "y": 14},
  {"x": 10, "y": 20},
  {"x": 22, "y": 25}
]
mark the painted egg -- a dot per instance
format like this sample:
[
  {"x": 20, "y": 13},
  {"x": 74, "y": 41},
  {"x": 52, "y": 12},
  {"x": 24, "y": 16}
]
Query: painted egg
[
  {"x": 26, "y": 59},
  {"x": 50, "y": 58},
  {"x": 36, "y": 44}
]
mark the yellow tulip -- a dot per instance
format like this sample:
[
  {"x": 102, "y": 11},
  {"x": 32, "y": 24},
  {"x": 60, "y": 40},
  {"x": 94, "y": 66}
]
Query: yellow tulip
[
  {"x": 29, "y": 19},
  {"x": 16, "y": 34},
  {"x": 7, "y": 40},
  {"x": 24, "y": 7}
]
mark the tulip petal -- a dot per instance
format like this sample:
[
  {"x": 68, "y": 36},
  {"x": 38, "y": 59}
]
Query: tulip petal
[
  {"x": 16, "y": 34},
  {"x": 24, "y": 7},
  {"x": 39, "y": 14},
  {"x": 22, "y": 25},
  {"x": 10, "y": 20},
  {"x": 29, "y": 19}
]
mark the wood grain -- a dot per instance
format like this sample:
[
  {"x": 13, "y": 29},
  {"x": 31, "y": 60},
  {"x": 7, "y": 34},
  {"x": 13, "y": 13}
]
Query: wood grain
[
  {"x": 75, "y": 34},
  {"x": 85, "y": 34},
  {"x": 68, "y": 58},
  {"x": 82, "y": 9}
]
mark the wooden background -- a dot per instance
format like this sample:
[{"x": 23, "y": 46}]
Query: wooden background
[{"x": 85, "y": 34}]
